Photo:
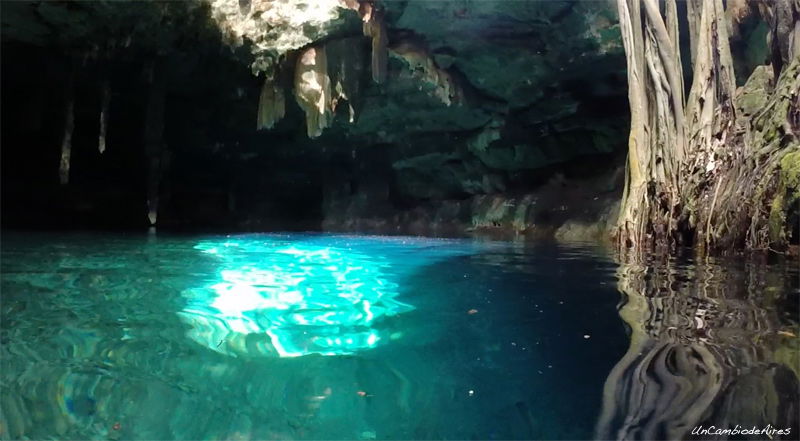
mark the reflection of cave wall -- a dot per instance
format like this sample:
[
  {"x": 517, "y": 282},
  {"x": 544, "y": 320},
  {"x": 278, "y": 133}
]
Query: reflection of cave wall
[{"x": 713, "y": 351}]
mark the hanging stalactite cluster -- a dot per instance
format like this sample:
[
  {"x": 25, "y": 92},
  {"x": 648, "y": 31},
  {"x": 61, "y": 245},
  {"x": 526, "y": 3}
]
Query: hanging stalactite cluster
[
  {"x": 69, "y": 120},
  {"x": 329, "y": 73},
  {"x": 421, "y": 63},
  {"x": 696, "y": 174},
  {"x": 325, "y": 76},
  {"x": 319, "y": 85}
]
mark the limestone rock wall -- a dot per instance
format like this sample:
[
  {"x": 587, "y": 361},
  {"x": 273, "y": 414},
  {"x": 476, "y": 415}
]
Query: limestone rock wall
[{"x": 457, "y": 101}]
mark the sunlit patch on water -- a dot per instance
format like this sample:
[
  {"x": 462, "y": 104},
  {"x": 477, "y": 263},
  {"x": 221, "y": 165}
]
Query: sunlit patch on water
[{"x": 291, "y": 300}]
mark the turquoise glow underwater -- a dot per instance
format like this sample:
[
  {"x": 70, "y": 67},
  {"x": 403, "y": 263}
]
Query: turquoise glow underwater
[{"x": 293, "y": 299}]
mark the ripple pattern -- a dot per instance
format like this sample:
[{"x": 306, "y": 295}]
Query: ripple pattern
[{"x": 308, "y": 299}]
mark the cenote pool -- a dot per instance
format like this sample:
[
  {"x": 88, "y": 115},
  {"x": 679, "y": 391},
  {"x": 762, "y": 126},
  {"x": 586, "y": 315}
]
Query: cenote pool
[{"x": 316, "y": 336}]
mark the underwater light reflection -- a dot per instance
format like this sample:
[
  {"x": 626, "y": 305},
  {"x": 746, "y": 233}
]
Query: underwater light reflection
[{"x": 291, "y": 300}]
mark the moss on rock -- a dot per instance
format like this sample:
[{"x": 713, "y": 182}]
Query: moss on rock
[{"x": 787, "y": 194}]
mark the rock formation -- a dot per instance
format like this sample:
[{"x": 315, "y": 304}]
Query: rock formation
[
  {"x": 271, "y": 105},
  {"x": 375, "y": 28},
  {"x": 104, "y": 108},
  {"x": 312, "y": 89},
  {"x": 426, "y": 111}
]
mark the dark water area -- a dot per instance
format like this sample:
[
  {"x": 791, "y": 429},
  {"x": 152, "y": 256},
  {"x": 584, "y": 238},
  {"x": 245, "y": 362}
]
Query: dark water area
[{"x": 320, "y": 336}]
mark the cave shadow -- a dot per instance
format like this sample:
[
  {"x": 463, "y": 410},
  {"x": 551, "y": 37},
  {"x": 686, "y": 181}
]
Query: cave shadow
[
  {"x": 651, "y": 351},
  {"x": 532, "y": 331},
  {"x": 208, "y": 176}
]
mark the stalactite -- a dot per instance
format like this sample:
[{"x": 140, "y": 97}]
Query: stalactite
[
  {"x": 104, "y": 106},
  {"x": 153, "y": 135},
  {"x": 345, "y": 61},
  {"x": 271, "y": 104},
  {"x": 312, "y": 89},
  {"x": 375, "y": 27},
  {"x": 420, "y": 62},
  {"x": 69, "y": 126}
]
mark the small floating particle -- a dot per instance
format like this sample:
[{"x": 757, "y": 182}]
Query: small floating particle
[
  {"x": 586, "y": 336},
  {"x": 363, "y": 394},
  {"x": 116, "y": 426},
  {"x": 472, "y": 311},
  {"x": 471, "y": 392}
]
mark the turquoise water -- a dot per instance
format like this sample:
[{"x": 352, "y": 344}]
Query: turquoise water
[{"x": 311, "y": 336}]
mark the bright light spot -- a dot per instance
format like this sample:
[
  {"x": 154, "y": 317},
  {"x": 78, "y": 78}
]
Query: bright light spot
[
  {"x": 274, "y": 299},
  {"x": 372, "y": 339}
]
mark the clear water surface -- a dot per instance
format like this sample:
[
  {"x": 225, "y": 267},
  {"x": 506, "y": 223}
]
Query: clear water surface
[{"x": 312, "y": 336}]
